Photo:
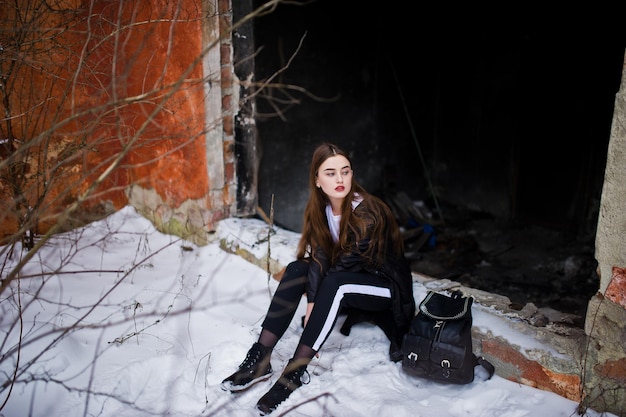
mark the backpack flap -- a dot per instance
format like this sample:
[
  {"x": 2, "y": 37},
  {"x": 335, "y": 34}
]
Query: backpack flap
[
  {"x": 456, "y": 332},
  {"x": 441, "y": 307},
  {"x": 447, "y": 355},
  {"x": 418, "y": 347},
  {"x": 416, "y": 351}
]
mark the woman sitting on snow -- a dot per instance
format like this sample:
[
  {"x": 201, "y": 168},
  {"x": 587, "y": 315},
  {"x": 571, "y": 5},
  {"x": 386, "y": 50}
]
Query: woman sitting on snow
[{"x": 350, "y": 255}]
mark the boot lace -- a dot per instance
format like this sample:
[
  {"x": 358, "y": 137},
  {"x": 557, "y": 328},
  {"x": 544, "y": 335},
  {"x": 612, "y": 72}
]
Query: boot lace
[
  {"x": 295, "y": 379},
  {"x": 252, "y": 357}
]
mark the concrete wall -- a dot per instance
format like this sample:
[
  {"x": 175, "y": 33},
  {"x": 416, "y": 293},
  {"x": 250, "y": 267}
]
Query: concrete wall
[
  {"x": 605, "y": 324},
  {"x": 194, "y": 214},
  {"x": 610, "y": 240}
]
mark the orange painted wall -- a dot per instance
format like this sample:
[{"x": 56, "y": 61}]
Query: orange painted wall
[
  {"x": 111, "y": 79},
  {"x": 153, "y": 68}
]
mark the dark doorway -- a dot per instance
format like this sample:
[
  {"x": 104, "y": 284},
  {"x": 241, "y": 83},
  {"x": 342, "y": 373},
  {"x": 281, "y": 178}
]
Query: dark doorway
[{"x": 496, "y": 130}]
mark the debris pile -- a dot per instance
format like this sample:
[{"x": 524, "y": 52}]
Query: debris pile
[{"x": 531, "y": 265}]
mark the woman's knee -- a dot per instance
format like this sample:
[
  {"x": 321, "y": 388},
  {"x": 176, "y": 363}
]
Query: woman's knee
[
  {"x": 296, "y": 268},
  {"x": 295, "y": 274},
  {"x": 330, "y": 283}
]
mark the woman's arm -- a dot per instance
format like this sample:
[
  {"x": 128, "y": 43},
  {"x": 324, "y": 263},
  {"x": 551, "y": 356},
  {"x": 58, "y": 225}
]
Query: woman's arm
[{"x": 317, "y": 269}]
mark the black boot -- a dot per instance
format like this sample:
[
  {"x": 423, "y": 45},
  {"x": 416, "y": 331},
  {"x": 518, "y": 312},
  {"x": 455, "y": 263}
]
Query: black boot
[
  {"x": 256, "y": 367},
  {"x": 290, "y": 380}
]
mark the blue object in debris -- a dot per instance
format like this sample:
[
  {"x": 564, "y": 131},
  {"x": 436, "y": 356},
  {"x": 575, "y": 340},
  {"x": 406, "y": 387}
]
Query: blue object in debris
[
  {"x": 426, "y": 229},
  {"x": 432, "y": 240}
]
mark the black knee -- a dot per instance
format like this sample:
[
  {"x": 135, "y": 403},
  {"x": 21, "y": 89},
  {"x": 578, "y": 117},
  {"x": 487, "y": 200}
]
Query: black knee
[{"x": 299, "y": 267}]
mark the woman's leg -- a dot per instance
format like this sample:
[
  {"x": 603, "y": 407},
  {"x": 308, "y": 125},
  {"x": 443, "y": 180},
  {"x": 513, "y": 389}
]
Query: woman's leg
[
  {"x": 256, "y": 366},
  {"x": 284, "y": 303},
  {"x": 349, "y": 289},
  {"x": 363, "y": 291}
]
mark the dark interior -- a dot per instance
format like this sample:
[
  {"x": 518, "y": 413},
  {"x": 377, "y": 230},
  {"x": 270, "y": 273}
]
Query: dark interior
[{"x": 488, "y": 137}]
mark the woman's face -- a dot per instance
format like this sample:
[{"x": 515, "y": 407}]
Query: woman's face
[{"x": 334, "y": 177}]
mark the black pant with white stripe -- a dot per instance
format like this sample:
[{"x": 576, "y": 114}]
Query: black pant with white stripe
[{"x": 358, "y": 290}]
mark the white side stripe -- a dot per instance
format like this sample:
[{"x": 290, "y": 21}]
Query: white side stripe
[{"x": 334, "y": 308}]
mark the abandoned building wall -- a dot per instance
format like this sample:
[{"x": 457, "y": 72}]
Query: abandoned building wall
[
  {"x": 206, "y": 178},
  {"x": 148, "y": 120},
  {"x": 610, "y": 240},
  {"x": 605, "y": 323},
  {"x": 184, "y": 186}
]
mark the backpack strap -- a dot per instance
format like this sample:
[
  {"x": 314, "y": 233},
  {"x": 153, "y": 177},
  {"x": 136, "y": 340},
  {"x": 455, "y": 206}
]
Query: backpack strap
[{"x": 485, "y": 364}]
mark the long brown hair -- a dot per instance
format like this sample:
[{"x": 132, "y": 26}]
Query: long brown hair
[{"x": 385, "y": 234}]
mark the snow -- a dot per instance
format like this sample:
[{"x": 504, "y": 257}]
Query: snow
[{"x": 121, "y": 320}]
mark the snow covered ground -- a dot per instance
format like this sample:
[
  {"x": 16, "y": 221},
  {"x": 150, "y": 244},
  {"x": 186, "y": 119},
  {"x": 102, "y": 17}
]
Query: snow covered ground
[{"x": 121, "y": 320}]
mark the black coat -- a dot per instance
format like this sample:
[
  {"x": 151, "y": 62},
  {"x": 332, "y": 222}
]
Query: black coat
[{"x": 394, "y": 268}]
